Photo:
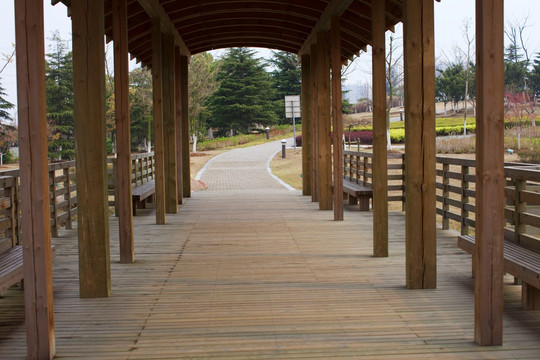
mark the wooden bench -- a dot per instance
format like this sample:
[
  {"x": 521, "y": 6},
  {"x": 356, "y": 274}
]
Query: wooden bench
[
  {"x": 520, "y": 262},
  {"x": 141, "y": 193},
  {"x": 358, "y": 194},
  {"x": 11, "y": 266}
]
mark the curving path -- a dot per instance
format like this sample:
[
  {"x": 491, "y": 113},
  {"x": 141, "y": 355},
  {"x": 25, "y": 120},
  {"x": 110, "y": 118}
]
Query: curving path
[{"x": 243, "y": 169}]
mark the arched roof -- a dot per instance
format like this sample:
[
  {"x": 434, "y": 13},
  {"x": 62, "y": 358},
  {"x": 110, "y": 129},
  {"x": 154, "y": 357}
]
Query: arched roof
[{"x": 289, "y": 25}]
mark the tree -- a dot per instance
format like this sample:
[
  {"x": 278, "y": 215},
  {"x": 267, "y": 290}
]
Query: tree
[
  {"x": 468, "y": 62},
  {"x": 394, "y": 81},
  {"x": 59, "y": 99},
  {"x": 4, "y": 105},
  {"x": 519, "y": 111},
  {"x": 203, "y": 70},
  {"x": 140, "y": 108},
  {"x": 244, "y": 97},
  {"x": 286, "y": 80},
  {"x": 450, "y": 84},
  {"x": 517, "y": 58},
  {"x": 534, "y": 77}
]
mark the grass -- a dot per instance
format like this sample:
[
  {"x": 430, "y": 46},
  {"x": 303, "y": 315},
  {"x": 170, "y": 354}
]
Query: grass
[{"x": 289, "y": 169}]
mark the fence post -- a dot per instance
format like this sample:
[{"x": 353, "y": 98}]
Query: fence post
[
  {"x": 365, "y": 167},
  {"x": 445, "y": 195},
  {"x": 67, "y": 195},
  {"x": 519, "y": 207},
  {"x": 115, "y": 186},
  {"x": 12, "y": 211},
  {"x": 464, "y": 200},
  {"x": 403, "y": 182},
  {"x": 52, "y": 201}
]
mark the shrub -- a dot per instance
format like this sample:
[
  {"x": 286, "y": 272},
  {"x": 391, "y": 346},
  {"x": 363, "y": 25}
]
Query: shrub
[{"x": 529, "y": 156}]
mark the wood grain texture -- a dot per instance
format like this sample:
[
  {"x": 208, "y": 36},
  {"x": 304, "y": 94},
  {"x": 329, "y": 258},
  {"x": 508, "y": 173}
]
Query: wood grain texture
[
  {"x": 324, "y": 122},
  {"x": 159, "y": 150},
  {"x": 420, "y": 201},
  {"x": 184, "y": 101},
  {"x": 90, "y": 130},
  {"x": 380, "y": 162},
  {"x": 123, "y": 202},
  {"x": 314, "y": 127},
  {"x": 36, "y": 239},
  {"x": 178, "y": 126},
  {"x": 337, "y": 121},
  {"x": 489, "y": 172},
  {"x": 307, "y": 133},
  {"x": 169, "y": 128}
]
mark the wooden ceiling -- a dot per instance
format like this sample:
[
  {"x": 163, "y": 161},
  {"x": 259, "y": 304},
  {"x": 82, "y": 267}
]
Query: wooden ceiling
[{"x": 289, "y": 25}]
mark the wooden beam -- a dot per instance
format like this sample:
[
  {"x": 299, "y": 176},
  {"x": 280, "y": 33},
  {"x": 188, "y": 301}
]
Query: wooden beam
[
  {"x": 123, "y": 136},
  {"x": 157, "y": 86},
  {"x": 335, "y": 35},
  {"x": 155, "y": 11},
  {"x": 324, "y": 122},
  {"x": 184, "y": 105},
  {"x": 307, "y": 136},
  {"x": 169, "y": 132},
  {"x": 420, "y": 235},
  {"x": 178, "y": 125},
  {"x": 314, "y": 128},
  {"x": 334, "y": 8},
  {"x": 488, "y": 299},
  {"x": 36, "y": 237},
  {"x": 90, "y": 139},
  {"x": 380, "y": 161}
]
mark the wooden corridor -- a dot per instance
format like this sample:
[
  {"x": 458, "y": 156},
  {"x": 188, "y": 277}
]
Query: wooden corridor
[{"x": 238, "y": 275}]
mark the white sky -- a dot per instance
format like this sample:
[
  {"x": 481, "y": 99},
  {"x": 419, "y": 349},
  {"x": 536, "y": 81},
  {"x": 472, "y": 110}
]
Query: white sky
[{"x": 449, "y": 16}]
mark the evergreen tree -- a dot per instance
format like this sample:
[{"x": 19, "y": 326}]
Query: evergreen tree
[
  {"x": 515, "y": 69},
  {"x": 244, "y": 98},
  {"x": 450, "y": 84},
  {"x": 140, "y": 107},
  {"x": 286, "y": 80},
  {"x": 59, "y": 93},
  {"x": 4, "y": 105},
  {"x": 534, "y": 76}
]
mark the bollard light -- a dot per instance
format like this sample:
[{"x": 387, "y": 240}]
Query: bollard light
[
  {"x": 283, "y": 144},
  {"x": 267, "y": 133}
]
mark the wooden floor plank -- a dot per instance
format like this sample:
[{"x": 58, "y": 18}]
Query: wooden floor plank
[{"x": 265, "y": 274}]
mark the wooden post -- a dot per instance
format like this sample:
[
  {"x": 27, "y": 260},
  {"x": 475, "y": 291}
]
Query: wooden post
[
  {"x": 184, "y": 106},
  {"x": 178, "y": 125},
  {"x": 169, "y": 114},
  {"x": 123, "y": 201},
  {"x": 157, "y": 91},
  {"x": 337, "y": 124},
  {"x": 488, "y": 310},
  {"x": 314, "y": 128},
  {"x": 380, "y": 158},
  {"x": 323, "y": 121},
  {"x": 89, "y": 109},
  {"x": 307, "y": 136},
  {"x": 36, "y": 237},
  {"x": 53, "y": 207},
  {"x": 420, "y": 234},
  {"x": 445, "y": 196},
  {"x": 464, "y": 200}
]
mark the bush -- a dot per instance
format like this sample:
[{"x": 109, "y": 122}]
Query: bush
[{"x": 529, "y": 156}]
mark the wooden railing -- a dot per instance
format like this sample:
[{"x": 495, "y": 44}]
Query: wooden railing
[
  {"x": 62, "y": 195},
  {"x": 358, "y": 167}
]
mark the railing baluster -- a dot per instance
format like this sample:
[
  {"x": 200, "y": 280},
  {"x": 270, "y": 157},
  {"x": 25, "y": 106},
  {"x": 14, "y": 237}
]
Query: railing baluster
[{"x": 445, "y": 196}]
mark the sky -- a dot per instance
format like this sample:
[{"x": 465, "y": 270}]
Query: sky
[{"x": 449, "y": 17}]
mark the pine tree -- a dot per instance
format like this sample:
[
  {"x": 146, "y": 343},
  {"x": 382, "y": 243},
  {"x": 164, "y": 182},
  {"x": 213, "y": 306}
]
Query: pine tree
[
  {"x": 140, "y": 107},
  {"x": 244, "y": 98},
  {"x": 534, "y": 76},
  {"x": 286, "y": 80},
  {"x": 4, "y": 105},
  {"x": 59, "y": 93}
]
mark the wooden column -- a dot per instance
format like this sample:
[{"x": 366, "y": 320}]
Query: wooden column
[
  {"x": 184, "y": 106},
  {"x": 323, "y": 121},
  {"x": 159, "y": 151},
  {"x": 178, "y": 125},
  {"x": 90, "y": 130},
  {"x": 307, "y": 136},
  {"x": 36, "y": 237},
  {"x": 123, "y": 136},
  {"x": 380, "y": 160},
  {"x": 169, "y": 114},
  {"x": 314, "y": 128},
  {"x": 337, "y": 122},
  {"x": 420, "y": 235},
  {"x": 488, "y": 299}
]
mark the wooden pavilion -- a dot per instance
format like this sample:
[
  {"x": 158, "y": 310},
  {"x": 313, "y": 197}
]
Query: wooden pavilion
[{"x": 162, "y": 35}]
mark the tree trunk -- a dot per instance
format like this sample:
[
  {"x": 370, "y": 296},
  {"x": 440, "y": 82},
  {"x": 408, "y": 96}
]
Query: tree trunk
[{"x": 194, "y": 143}]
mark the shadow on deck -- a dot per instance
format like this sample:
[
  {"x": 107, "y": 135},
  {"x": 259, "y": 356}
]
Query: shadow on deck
[{"x": 239, "y": 275}]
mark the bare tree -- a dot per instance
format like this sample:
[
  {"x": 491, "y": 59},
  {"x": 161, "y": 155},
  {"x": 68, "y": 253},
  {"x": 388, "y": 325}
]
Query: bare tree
[
  {"x": 394, "y": 80},
  {"x": 469, "y": 55}
]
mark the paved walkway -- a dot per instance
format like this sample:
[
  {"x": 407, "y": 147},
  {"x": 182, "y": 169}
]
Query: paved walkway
[{"x": 243, "y": 169}]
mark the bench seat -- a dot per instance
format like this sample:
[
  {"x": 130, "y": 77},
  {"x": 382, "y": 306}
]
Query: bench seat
[
  {"x": 11, "y": 266},
  {"x": 358, "y": 194},
  {"x": 141, "y": 193},
  {"x": 518, "y": 261}
]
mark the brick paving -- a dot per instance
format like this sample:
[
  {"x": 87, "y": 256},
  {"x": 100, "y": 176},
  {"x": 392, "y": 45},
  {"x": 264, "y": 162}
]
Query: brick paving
[{"x": 243, "y": 169}]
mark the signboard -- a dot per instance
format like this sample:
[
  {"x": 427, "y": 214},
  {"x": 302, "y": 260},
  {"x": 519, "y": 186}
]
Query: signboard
[{"x": 292, "y": 106}]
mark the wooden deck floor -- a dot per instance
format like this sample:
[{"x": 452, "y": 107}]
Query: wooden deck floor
[{"x": 266, "y": 275}]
